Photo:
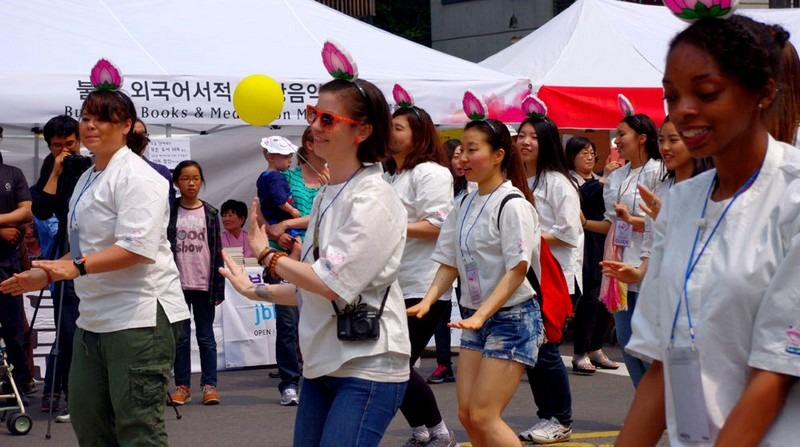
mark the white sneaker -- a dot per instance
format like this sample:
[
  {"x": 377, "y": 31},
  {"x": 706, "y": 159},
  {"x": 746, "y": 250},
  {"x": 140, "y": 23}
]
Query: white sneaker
[
  {"x": 64, "y": 416},
  {"x": 547, "y": 431},
  {"x": 289, "y": 397}
]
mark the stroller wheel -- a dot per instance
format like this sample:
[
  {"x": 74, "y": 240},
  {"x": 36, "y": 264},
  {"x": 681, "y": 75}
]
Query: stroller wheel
[{"x": 19, "y": 424}]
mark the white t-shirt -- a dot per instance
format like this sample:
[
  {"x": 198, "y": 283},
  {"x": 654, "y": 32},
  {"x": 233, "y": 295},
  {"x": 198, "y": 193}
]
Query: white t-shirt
[
  {"x": 558, "y": 206},
  {"x": 426, "y": 192},
  {"x": 471, "y": 235},
  {"x": 361, "y": 238},
  {"x": 125, "y": 205},
  {"x": 742, "y": 294},
  {"x": 621, "y": 187}
]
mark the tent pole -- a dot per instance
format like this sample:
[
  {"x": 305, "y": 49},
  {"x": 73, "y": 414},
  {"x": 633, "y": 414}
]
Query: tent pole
[
  {"x": 35, "y": 152},
  {"x": 168, "y": 130}
]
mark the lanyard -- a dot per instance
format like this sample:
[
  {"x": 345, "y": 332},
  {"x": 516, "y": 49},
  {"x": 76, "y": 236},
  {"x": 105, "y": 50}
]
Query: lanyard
[
  {"x": 621, "y": 192},
  {"x": 693, "y": 261},
  {"x": 86, "y": 186},
  {"x": 315, "y": 245},
  {"x": 461, "y": 228}
]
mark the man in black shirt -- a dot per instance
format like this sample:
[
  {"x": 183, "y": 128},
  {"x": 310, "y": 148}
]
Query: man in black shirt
[
  {"x": 15, "y": 211},
  {"x": 60, "y": 172}
]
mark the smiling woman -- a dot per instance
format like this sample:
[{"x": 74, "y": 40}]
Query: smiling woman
[
  {"x": 719, "y": 305},
  {"x": 131, "y": 306}
]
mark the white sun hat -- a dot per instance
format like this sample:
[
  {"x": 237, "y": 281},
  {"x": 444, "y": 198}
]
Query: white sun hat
[{"x": 278, "y": 145}]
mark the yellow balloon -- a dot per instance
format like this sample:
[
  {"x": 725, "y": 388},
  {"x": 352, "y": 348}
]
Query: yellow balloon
[{"x": 258, "y": 99}]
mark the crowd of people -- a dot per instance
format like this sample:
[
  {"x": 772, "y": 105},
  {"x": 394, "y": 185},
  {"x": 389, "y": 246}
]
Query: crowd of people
[{"x": 686, "y": 239}]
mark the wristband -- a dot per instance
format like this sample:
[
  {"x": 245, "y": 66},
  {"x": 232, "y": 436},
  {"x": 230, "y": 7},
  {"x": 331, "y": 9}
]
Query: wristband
[
  {"x": 264, "y": 253},
  {"x": 49, "y": 277},
  {"x": 273, "y": 262}
]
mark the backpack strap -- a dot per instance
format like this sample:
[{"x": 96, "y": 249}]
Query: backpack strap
[{"x": 531, "y": 275}]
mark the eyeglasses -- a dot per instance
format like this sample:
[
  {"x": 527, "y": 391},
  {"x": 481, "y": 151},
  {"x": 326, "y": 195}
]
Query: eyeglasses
[
  {"x": 585, "y": 152},
  {"x": 326, "y": 119},
  {"x": 190, "y": 179},
  {"x": 69, "y": 145}
]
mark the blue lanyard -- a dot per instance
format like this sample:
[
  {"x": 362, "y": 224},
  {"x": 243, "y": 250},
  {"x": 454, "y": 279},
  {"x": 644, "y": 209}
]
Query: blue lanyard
[
  {"x": 86, "y": 186},
  {"x": 315, "y": 245},
  {"x": 461, "y": 228},
  {"x": 620, "y": 191},
  {"x": 693, "y": 261}
]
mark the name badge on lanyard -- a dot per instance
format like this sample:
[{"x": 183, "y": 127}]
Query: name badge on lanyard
[
  {"x": 691, "y": 417},
  {"x": 473, "y": 283},
  {"x": 622, "y": 233}
]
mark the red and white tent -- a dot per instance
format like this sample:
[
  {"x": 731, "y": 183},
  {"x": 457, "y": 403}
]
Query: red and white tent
[{"x": 581, "y": 59}]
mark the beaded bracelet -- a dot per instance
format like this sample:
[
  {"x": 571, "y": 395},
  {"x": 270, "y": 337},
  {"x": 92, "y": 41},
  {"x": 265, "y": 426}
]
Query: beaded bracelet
[
  {"x": 264, "y": 253},
  {"x": 274, "y": 262}
]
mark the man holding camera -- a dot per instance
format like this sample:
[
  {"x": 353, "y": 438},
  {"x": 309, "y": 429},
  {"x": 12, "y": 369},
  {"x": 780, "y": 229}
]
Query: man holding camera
[{"x": 60, "y": 172}]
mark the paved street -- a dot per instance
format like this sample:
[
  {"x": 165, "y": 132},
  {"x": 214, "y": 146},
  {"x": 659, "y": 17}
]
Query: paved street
[{"x": 250, "y": 414}]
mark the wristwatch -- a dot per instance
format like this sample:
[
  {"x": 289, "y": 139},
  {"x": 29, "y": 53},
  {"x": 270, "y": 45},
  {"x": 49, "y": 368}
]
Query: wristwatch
[{"x": 80, "y": 264}]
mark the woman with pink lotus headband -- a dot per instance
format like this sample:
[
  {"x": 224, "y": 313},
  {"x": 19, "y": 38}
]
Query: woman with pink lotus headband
[
  {"x": 491, "y": 252},
  {"x": 132, "y": 308},
  {"x": 352, "y": 330},
  {"x": 418, "y": 174},
  {"x": 719, "y": 311}
]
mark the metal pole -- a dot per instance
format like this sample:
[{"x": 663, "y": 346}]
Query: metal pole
[
  {"x": 168, "y": 130},
  {"x": 35, "y": 153}
]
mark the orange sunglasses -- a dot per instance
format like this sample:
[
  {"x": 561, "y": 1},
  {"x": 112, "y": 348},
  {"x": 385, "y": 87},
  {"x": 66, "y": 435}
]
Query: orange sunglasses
[{"x": 326, "y": 119}]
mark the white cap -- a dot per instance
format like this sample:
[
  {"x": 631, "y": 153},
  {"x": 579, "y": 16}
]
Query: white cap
[{"x": 278, "y": 145}]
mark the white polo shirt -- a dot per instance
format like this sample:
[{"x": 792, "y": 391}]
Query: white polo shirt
[
  {"x": 621, "y": 184},
  {"x": 558, "y": 206},
  {"x": 361, "y": 238},
  {"x": 125, "y": 205},
  {"x": 469, "y": 234},
  {"x": 743, "y": 293},
  {"x": 426, "y": 192}
]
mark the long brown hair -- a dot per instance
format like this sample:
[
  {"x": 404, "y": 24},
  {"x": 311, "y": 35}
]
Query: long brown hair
[
  {"x": 783, "y": 115},
  {"x": 426, "y": 145}
]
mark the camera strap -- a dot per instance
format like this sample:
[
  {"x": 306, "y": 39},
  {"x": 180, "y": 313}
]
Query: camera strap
[{"x": 360, "y": 304}]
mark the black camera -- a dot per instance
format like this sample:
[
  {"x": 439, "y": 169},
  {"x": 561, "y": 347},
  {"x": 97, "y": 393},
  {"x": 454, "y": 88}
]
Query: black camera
[
  {"x": 360, "y": 324},
  {"x": 76, "y": 164}
]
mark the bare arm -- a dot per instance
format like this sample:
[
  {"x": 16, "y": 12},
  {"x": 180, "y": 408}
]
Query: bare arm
[
  {"x": 20, "y": 216},
  {"x": 442, "y": 282},
  {"x": 283, "y": 294},
  {"x": 422, "y": 230},
  {"x": 553, "y": 241},
  {"x": 596, "y": 226},
  {"x": 761, "y": 402},
  {"x": 290, "y": 209},
  {"x": 646, "y": 420}
]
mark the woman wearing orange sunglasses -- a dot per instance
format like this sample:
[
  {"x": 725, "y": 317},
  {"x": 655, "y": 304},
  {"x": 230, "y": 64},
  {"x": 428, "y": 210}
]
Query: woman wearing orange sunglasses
[{"x": 350, "y": 257}]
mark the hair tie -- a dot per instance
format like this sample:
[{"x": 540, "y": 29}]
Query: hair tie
[
  {"x": 692, "y": 10},
  {"x": 106, "y": 76},
  {"x": 625, "y": 105},
  {"x": 533, "y": 107}
]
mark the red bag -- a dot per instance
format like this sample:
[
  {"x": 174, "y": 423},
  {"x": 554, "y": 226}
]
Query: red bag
[{"x": 552, "y": 293}]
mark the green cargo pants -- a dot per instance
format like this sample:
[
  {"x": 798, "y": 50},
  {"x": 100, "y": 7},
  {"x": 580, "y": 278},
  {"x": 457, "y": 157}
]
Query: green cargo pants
[{"x": 118, "y": 384}]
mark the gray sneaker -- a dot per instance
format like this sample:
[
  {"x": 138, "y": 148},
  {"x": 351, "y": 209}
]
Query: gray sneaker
[
  {"x": 547, "y": 431},
  {"x": 64, "y": 416},
  {"x": 414, "y": 442},
  {"x": 289, "y": 397},
  {"x": 442, "y": 441}
]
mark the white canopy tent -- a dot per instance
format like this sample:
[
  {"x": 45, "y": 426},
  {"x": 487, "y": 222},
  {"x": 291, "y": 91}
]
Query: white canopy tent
[
  {"x": 182, "y": 60},
  {"x": 581, "y": 59}
]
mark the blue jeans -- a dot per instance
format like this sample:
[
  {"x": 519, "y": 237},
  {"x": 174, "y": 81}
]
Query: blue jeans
[
  {"x": 286, "y": 318},
  {"x": 345, "y": 412},
  {"x": 622, "y": 318},
  {"x": 203, "y": 312},
  {"x": 550, "y": 385}
]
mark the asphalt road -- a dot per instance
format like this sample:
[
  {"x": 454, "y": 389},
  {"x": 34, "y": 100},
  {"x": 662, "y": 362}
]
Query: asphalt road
[{"x": 251, "y": 416}]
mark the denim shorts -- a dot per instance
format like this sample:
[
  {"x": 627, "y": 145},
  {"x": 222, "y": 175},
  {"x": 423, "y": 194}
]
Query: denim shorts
[{"x": 510, "y": 334}]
